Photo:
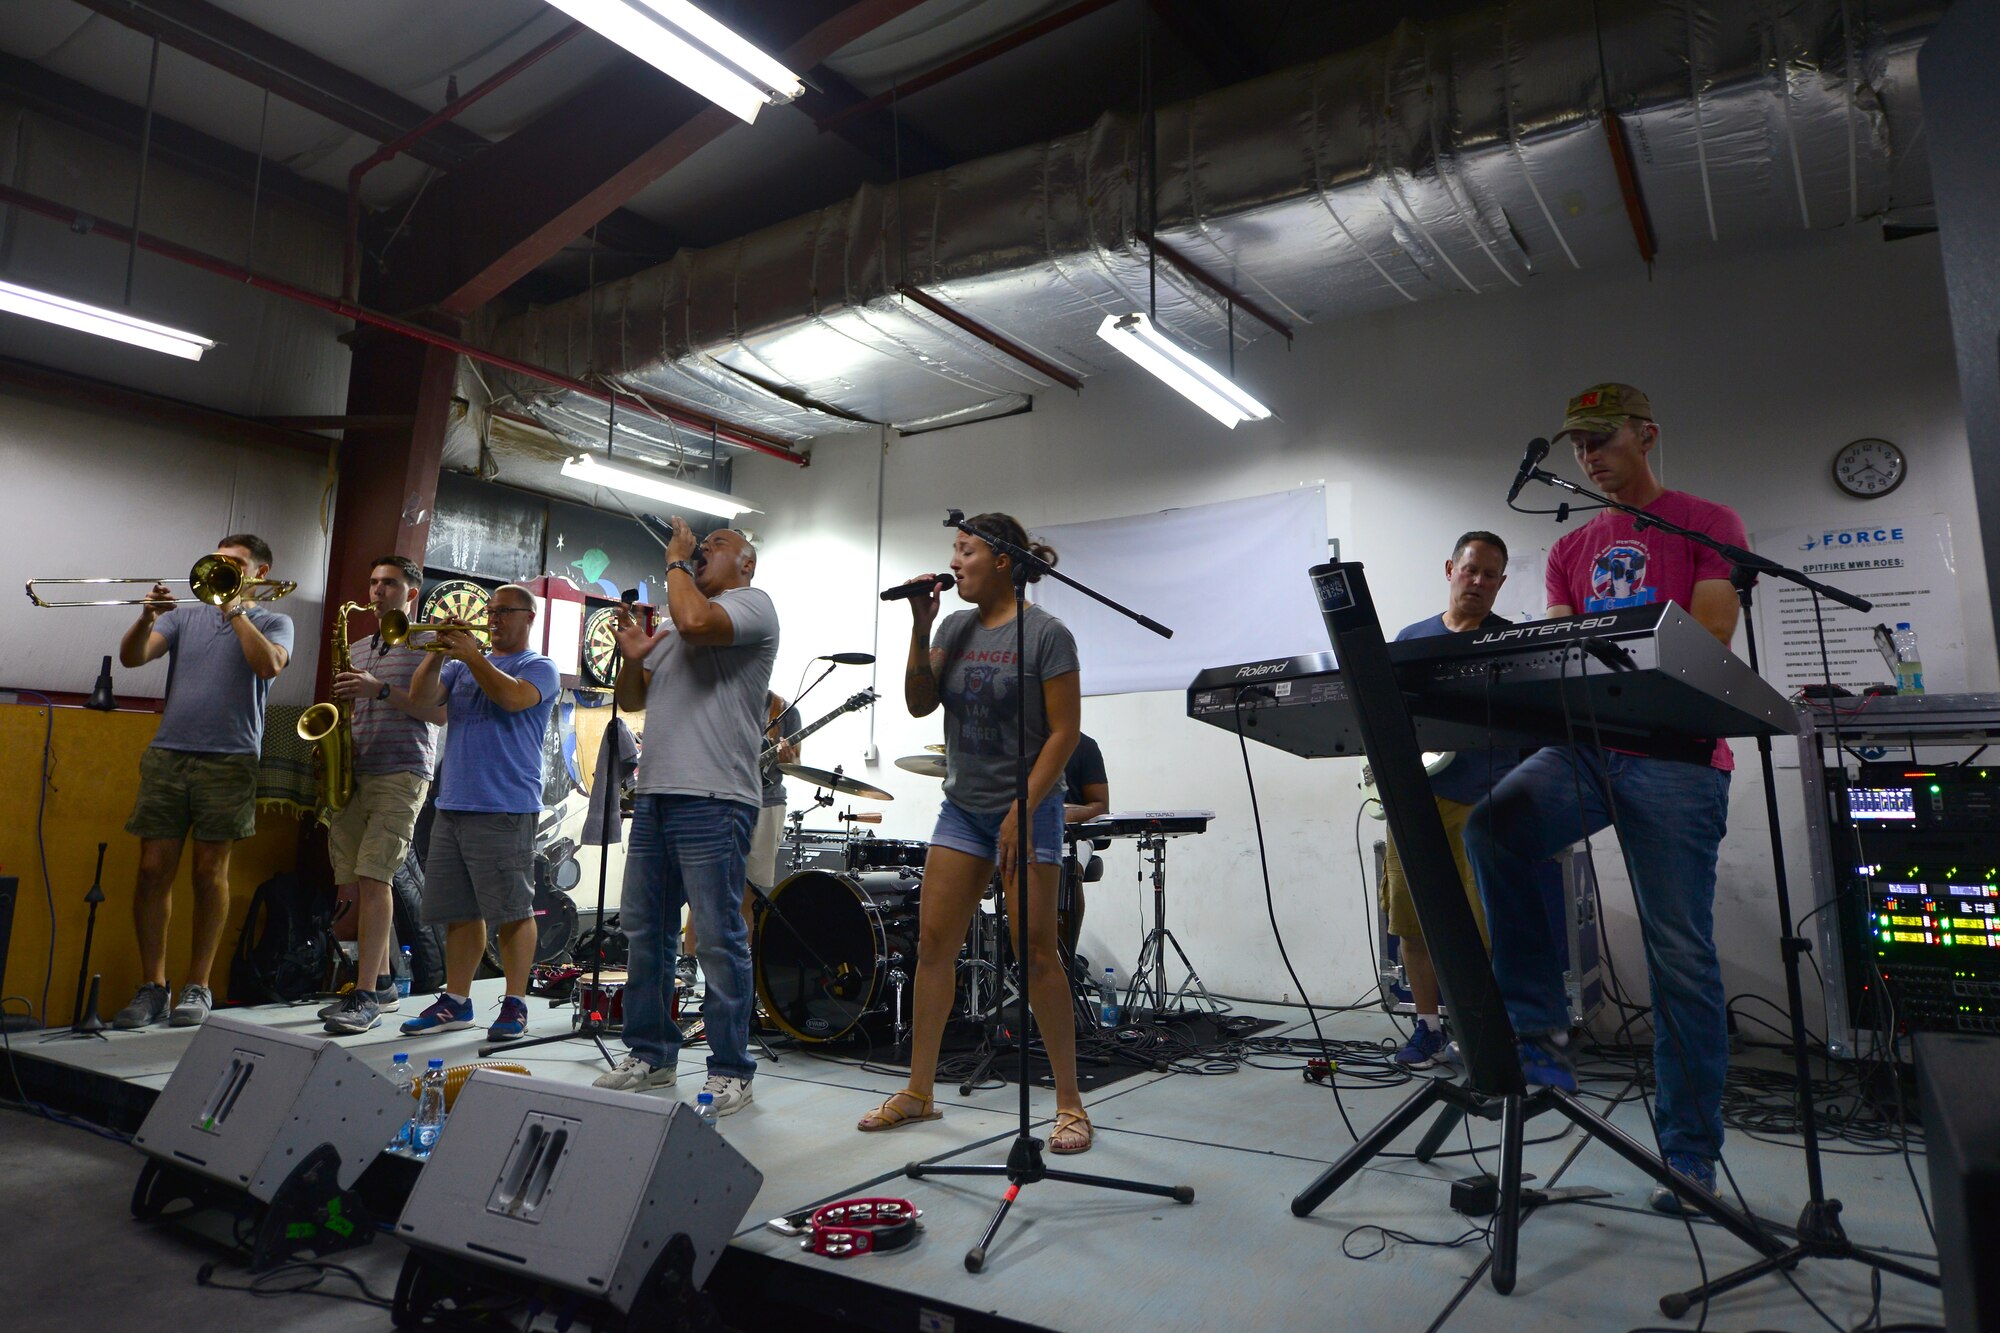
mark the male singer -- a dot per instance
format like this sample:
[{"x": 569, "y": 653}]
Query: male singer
[
  {"x": 704, "y": 683},
  {"x": 1473, "y": 578},
  {"x": 199, "y": 775},
  {"x": 1671, "y": 815}
]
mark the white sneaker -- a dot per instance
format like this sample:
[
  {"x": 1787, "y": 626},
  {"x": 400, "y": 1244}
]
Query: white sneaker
[
  {"x": 730, "y": 1094},
  {"x": 634, "y": 1075}
]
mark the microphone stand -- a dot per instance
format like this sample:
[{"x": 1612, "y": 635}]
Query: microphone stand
[
  {"x": 83, "y": 1019},
  {"x": 1819, "y": 1232},
  {"x": 1024, "y": 1164}
]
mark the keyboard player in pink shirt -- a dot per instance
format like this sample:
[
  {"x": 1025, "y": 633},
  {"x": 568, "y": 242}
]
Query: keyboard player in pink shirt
[{"x": 1670, "y": 815}]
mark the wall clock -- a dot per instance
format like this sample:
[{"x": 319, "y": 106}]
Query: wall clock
[{"x": 1869, "y": 469}]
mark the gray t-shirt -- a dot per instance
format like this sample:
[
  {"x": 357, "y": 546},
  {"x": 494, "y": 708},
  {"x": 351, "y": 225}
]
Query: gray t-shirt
[
  {"x": 774, "y": 781},
  {"x": 706, "y": 707},
  {"x": 977, "y": 689},
  {"x": 215, "y": 702}
]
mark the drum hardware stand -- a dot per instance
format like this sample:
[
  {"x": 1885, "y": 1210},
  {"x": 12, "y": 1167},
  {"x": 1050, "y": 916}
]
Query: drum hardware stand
[
  {"x": 1152, "y": 961},
  {"x": 1819, "y": 1232},
  {"x": 83, "y": 1019},
  {"x": 1024, "y": 1164}
]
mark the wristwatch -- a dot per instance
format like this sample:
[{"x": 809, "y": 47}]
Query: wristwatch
[
  {"x": 685, "y": 565},
  {"x": 382, "y": 693}
]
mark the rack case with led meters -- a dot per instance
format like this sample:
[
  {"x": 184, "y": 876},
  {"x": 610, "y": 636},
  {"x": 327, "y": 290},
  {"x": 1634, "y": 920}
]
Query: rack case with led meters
[{"x": 1906, "y": 875}]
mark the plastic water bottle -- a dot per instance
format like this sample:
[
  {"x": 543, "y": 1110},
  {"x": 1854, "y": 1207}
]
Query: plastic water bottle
[
  {"x": 403, "y": 977},
  {"x": 1107, "y": 994},
  {"x": 429, "y": 1120},
  {"x": 1909, "y": 662},
  {"x": 402, "y": 1078},
  {"x": 704, "y": 1109}
]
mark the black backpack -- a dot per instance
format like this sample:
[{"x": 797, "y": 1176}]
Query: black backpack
[{"x": 286, "y": 949}]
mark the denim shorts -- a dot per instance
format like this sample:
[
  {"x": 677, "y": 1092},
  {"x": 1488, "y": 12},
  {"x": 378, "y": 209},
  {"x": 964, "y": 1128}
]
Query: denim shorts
[{"x": 977, "y": 832}]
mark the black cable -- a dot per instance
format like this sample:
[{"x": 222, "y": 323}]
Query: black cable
[{"x": 304, "y": 1277}]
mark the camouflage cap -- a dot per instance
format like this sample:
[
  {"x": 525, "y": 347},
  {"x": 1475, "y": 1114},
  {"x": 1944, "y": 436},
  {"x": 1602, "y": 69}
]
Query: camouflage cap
[{"x": 1604, "y": 407}]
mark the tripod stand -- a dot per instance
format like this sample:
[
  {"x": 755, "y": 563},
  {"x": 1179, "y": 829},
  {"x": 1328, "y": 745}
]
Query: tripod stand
[
  {"x": 83, "y": 1019},
  {"x": 1820, "y": 1234},
  {"x": 1024, "y": 1165},
  {"x": 1149, "y": 974}
]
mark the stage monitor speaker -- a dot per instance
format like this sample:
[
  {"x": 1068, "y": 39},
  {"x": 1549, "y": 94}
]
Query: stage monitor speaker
[
  {"x": 1955, "y": 1081},
  {"x": 285, "y": 1120},
  {"x": 536, "y": 1183}
]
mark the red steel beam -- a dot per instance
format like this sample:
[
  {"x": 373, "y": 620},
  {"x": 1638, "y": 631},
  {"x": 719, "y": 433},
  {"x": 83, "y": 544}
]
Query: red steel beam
[
  {"x": 1201, "y": 275},
  {"x": 1628, "y": 185},
  {"x": 77, "y": 219},
  {"x": 992, "y": 338},
  {"x": 1000, "y": 46}
]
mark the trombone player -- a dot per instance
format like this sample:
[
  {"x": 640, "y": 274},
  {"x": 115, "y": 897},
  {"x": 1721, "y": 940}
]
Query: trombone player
[
  {"x": 199, "y": 775},
  {"x": 395, "y": 755}
]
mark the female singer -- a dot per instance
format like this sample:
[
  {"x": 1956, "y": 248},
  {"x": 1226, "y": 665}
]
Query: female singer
[{"x": 971, "y": 672}]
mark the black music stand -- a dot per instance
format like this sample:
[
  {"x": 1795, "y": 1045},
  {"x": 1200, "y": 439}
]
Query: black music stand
[
  {"x": 1493, "y": 1086},
  {"x": 1819, "y": 1231},
  {"x": 1024, "y": 1164}
]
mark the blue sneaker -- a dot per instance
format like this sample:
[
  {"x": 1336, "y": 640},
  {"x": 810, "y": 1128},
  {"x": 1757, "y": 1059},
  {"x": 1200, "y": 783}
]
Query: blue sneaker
[
  {"x": 1546, "y": 1062},
  {"x": 1700, "y": 1170},
  {"x": 513, "y": 1021},
  {"x": 444, "y": 1015},
  {"x": 1424, "y": 1049}
]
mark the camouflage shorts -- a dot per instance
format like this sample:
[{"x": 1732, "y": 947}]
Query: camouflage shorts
[{"x": 214, "y": 796}]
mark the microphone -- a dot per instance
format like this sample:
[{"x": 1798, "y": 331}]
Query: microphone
[
  {"x": 847, "y": 659},
  {"x": 921, "y": 588},
  {"x": 1538, "y": 449}
]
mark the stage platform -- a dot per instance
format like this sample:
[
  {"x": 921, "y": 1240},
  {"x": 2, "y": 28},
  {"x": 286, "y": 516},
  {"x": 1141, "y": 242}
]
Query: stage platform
[{"x": 1068, "y": 1258}]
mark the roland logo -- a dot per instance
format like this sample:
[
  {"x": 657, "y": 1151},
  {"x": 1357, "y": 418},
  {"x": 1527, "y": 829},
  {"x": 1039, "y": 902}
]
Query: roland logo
[
  {"x": 1544, "y": 630},
  {"x": 1261, "y": 669}
]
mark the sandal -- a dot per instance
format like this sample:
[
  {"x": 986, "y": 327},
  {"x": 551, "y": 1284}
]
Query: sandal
[
  {"x": 1077, "y": 1124},
  {"x": 888, "y": 1115}
]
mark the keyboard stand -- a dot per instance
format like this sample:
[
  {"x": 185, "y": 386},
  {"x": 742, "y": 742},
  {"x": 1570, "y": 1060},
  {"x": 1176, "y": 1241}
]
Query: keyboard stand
[{"x": 1149, "y": 973}]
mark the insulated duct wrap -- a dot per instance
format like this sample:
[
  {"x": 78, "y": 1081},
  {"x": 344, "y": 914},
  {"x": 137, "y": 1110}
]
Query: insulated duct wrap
[{"x": 1445, "y": 159}]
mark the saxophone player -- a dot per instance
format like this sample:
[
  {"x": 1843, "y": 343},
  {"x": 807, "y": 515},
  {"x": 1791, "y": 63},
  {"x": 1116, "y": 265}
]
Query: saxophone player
[{"x": 395, "y": 754}]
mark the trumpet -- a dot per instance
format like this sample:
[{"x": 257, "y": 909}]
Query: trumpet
[
  {"x": 396, "y": 629},
  {"x": 214, "y": 580}
]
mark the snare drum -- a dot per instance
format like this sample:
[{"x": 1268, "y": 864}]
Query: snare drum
[{"x": 865, "y": 854}]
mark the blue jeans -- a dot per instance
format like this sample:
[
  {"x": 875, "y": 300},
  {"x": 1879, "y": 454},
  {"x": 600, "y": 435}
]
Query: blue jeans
[
  {"x": 977, "y": 832},
  {"x": 688, "y": 850},
  {"x": 1671, "y": 818}
]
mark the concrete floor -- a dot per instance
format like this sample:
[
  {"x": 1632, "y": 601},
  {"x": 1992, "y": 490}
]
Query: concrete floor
[{"x": 1069, "y": 1257}]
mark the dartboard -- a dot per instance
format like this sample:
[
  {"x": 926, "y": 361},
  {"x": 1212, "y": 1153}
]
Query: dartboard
[
  {"x": 456, "y": 599},
  {"x": 600, "y": 649}
]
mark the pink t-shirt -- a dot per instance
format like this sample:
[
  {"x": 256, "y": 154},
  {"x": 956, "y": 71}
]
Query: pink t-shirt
[{"x": 1609, "y": 563}]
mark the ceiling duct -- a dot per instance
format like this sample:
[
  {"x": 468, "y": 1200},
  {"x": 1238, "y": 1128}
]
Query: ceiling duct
[{"x": 1446, "y": 159}]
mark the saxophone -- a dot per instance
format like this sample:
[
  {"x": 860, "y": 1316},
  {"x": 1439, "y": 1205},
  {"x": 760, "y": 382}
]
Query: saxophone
[{"x": 330, "y": 727}]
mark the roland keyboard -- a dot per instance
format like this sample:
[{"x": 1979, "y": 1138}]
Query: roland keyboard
[{"x": 1648, "y": 679}]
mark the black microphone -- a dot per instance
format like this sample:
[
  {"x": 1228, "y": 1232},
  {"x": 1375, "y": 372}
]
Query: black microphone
[
  {"x": 847, "y": 659},
  {"x": 1538, "y": 449},
  {"x": 921, "y": 588}
]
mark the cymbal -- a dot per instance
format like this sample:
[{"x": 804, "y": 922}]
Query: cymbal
[
  {"x": 840, "y": 782},
  {"x": 923, "y": 765},
  {"x": 935, "y": 749}
]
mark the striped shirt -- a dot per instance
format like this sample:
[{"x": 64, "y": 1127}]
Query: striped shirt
[{"x": 386, "y": 739}]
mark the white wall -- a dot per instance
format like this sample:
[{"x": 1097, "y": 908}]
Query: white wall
[{"x": 1760, "y": 364}]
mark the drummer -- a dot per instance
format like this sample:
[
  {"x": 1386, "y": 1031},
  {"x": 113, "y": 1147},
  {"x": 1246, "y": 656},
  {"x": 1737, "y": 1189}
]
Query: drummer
[
  {"x": 1086, "y": 795},
  {"x": 970, "y": 670}
]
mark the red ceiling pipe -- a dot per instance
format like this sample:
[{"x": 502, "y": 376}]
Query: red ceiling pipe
[
  {"x": 350, "y": 256},
  {"x": 1215, "y": 284},
  {"x": 77, "y": 220}
]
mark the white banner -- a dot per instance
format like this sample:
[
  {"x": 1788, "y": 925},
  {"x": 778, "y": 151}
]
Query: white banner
[{"x": 1229, "y": 579}]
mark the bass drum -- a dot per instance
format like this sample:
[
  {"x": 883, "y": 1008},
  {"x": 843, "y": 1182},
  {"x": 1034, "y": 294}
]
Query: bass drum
[{"x": 822, "y": 957}]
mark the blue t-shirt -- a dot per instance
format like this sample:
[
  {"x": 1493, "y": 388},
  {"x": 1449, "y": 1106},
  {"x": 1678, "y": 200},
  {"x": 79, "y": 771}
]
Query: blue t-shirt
[
  {"x": 493, "y": 758},
  {"x": 215, "y": 702},
  {"x": 1469, "y": 777}
]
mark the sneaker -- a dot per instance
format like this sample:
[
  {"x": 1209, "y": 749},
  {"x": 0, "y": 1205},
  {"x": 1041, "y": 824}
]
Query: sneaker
[
  {"x": 193, "y": 1009},
  {"x": 1700, "y": 1170},
  {"x": 684, "y": 969},
  {"x": 1546, "y": 1061},
  {"x": 731, "y": 1094},
  {"x": 1424, "y": 1048},
  {"x": 387, "y": 1000},
  {"x": 148, "y": 1007},
  {"x": 512, "y": 1024},
  {"x": 444, "y": 1015},
  {"x": 357, "y": 1013},
  {"x": 634, "y": 1075}
]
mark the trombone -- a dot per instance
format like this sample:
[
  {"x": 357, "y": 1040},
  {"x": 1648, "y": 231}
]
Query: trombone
[
  {"x": 214, "y": 580},
  {"x": 396, "y": 629}
]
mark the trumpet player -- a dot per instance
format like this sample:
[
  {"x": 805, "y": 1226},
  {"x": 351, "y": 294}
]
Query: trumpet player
[
  {"x": 479, "y": 866},
  {"x": 395, "y": 755},
  {"x": 199, "y": 776}
]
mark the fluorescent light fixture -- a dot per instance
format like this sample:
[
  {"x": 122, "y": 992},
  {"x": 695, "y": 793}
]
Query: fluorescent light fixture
[
  {"x": 53, "y": 309},
  {"x": 587, "y": 467},
  {"x": 1205, "y": 387},
  {"x": 684, "y": 43}
]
